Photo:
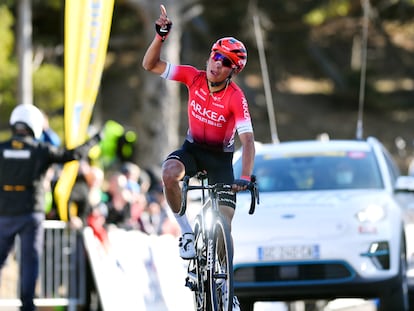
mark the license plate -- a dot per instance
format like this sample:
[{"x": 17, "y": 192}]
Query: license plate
[{"x": 288, "y": 252}]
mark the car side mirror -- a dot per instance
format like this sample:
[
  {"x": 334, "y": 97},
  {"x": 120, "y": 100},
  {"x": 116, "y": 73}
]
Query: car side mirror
[{"x": 404, "y": 184}]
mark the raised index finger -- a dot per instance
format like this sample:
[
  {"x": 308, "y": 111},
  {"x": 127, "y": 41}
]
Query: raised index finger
[{"x": 163, "y": 10}]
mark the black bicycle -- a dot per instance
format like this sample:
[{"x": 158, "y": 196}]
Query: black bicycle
[{"x": 210, "y": 273}]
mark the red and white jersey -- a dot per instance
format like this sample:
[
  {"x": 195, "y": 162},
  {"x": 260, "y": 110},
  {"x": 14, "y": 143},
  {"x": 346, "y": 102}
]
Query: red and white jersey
[{"x": 213, "y": 117}]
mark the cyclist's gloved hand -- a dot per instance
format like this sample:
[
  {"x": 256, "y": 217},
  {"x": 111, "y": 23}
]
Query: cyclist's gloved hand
[
  {"x": 163, "y": 24},
  {"x": 242, "y": 182},
  {"x": 163, "y": 31}
]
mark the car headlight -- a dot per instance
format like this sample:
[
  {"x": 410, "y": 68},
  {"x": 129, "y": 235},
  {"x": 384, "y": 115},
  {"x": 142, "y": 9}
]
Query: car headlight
[{"x": 372, "y": 213}]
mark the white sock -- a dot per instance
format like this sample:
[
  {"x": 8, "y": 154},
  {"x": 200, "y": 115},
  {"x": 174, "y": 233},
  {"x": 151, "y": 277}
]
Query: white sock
[{"x": 183, "y": 223}]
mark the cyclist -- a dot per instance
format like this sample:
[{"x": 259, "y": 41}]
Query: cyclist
[
  {"x": 24, "y": 160},
  {"x": 217, "y": 108}
]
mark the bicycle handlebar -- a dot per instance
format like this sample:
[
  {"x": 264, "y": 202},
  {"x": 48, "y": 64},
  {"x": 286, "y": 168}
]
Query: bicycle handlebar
[{"x": 252, "y": 187}]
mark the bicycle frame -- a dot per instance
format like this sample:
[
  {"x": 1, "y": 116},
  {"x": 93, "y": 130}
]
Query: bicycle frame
[
  {"x": 209, "y": 214},
  {"x": 210, "y": 273}
]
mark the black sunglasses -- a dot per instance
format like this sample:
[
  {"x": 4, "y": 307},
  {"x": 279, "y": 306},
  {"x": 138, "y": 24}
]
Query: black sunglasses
[{"x": 216, "y": 56}]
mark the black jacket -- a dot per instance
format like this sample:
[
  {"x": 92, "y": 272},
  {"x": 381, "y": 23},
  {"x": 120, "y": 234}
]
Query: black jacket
[{"x": 23, "y": 164}]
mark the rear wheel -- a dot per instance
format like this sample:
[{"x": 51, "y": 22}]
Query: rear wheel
[{"x": 220, "y": 267}]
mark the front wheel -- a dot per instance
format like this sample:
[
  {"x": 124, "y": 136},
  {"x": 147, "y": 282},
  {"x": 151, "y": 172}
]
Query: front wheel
[
  {"x": 220, "y": 267},
  {"x": 197, "y": 274}
]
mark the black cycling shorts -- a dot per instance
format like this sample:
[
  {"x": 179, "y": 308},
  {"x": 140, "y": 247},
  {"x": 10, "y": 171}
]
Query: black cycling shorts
[{"x": 217, "y": 164}]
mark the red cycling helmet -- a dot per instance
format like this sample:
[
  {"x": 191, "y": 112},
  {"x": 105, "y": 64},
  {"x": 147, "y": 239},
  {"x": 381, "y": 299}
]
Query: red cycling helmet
[{"x": 233, "y": 49}]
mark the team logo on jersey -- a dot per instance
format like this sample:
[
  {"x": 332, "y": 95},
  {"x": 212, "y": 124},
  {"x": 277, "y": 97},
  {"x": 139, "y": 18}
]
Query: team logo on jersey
[
  {"x": 246, "y": 109},
  {"x": 207, "y": 113},
  {"x": 208, "y": 116}
]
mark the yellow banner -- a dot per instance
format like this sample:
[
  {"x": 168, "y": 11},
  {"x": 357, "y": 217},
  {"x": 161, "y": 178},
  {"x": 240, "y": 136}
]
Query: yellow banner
[{"x": 87, "y": 29}]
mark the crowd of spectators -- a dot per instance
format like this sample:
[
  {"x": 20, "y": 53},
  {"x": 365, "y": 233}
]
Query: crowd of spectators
[
  {"x": 111, "y": 192},
  {"x": 126, "y": 197}
]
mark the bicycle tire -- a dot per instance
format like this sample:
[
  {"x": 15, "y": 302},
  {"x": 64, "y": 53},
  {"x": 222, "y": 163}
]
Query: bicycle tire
[
  {"x": 196, "y": 269},
  {"x": 220, "y": 268}
]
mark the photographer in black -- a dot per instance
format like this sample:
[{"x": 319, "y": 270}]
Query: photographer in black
[{"x": 24, "y": 161}]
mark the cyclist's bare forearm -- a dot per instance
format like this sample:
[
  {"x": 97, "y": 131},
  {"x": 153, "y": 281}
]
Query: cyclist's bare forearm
[
  {"x": 151, "y": 61},
  {"x": 248, "y": 153}
]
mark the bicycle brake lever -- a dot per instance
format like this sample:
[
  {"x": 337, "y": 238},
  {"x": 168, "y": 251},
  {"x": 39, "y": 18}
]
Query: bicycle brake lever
[
  {"x": 254, "y": 194},
  {"x": 253, "y": 203}
]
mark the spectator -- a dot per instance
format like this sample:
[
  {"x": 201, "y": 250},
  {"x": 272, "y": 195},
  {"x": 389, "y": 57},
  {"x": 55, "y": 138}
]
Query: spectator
[
  {"x": 155, "y": 216},
  {"x": 96, "y": 218},
  {"x": 161, "y": 213},
  {"x": 119, "y": 201},
  {"x": 95, "y": 178},
  {"x": 24, "y": 161},
  {"x": 132, "y": 173},
  {"x": 138, "y": 207},
  {"x": 78, "y": 203}
]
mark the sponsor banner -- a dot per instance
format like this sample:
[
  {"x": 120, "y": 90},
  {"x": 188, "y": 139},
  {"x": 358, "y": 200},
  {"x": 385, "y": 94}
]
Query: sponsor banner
[{"x": 87, "y": 28}]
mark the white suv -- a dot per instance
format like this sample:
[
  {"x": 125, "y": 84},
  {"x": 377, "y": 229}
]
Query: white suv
[{"x": 330, "y": 224}]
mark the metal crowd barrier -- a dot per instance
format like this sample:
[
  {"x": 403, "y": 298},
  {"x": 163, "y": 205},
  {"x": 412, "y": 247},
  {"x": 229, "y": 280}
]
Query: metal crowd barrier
[{"x": 62, "y": 280}]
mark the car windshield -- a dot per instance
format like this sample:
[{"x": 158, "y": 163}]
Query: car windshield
[{"x": 316, "y": 171}]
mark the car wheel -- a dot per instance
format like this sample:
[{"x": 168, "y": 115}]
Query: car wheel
[
  {"x": 246, "y": 304},
  {"x": 411, "y": 298},
  {"x": 397, "y": 298}
]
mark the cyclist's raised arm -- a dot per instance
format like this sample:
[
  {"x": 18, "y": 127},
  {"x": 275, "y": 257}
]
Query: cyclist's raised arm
[{"x": 152, "y": 61}]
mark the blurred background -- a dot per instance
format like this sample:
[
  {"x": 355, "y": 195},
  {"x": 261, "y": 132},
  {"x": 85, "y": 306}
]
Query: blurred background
[{"x": 314, "y": 57}]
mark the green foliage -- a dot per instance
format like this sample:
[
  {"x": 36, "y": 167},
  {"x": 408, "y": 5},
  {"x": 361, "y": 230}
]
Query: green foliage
[
  {"x": 5, "y": 134},
  {"x": 47, "y": 80},
  {"x": 48, "y": 84},
  {"x": 55, "y": 4},
  {"x": 48, "y": 87},
  {"x": 6, "y": 35},
  {"x": 8, "y": 68},
  {"x": 326, "y": 11},
  {"x": 8, "y": 79}
]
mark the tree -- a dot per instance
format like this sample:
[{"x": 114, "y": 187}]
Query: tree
[
  {"x": 8, "y": 67},
  {"x": 47, "y": 77}
]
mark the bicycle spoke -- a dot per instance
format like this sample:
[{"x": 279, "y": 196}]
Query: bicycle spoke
[
  {"x": 196, "y": 279},
  {"x": 221, "y": 274}
]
